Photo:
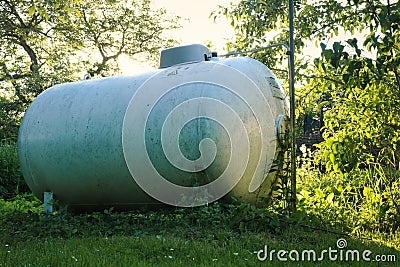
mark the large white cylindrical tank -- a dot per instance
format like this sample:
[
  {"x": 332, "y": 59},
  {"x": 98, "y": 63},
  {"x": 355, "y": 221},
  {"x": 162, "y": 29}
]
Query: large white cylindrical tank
[{"x": 184, "y": 135}]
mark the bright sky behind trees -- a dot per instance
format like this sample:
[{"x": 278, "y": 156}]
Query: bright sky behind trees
[{"x": 198, "y": 27}]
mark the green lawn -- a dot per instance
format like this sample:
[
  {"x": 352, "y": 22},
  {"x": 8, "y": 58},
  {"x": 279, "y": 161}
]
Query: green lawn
[
  {"x": 205, "y": 236},
  {"x": 214, "y": 249}
]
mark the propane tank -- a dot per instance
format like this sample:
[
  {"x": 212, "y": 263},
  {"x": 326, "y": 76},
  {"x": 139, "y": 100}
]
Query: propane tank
[{"x": 196, "y": 130}]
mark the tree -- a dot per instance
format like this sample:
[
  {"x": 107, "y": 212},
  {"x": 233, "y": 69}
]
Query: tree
[
  {"x": 43, "y": 43},
  {"x": 361, "y": 94},
  {"x": 112, "y": 28},
  {"x": 341, "y": 70}
]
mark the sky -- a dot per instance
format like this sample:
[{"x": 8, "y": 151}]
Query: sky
[{"x": 197, "y": 27}]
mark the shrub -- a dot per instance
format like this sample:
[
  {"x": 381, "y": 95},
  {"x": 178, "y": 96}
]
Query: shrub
[
  {"x": 12, "y": 182},
  {"x": 363, "y": 200}
]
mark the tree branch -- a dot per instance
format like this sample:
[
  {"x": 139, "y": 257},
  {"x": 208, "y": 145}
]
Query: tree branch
[
  {"x": 34, "y": 67},
  {"x": 15, "y": 13}
]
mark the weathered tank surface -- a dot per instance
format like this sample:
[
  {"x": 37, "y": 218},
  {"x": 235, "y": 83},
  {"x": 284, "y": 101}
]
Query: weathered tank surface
[{"x": 189, "y": 133}]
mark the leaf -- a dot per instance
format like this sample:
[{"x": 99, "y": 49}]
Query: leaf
[
  {"x": 330, "y": 197},
  {"x": 31, "y": 10},
  {"x": 336, "y": 47},
  {"x": 332, "y": 157},
  {"x": 336, "y": 167},
  {"x": 352, "y": 42},
  {"x": 328, "y": 54},
  {"x": 346, "y": 77},
  {"x": 334, "y": 148}
]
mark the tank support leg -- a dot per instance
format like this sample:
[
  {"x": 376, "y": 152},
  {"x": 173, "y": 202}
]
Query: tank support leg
[{"x": 48, "y": 202}]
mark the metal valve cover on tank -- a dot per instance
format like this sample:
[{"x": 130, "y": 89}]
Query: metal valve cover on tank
[{"x": 123, "y": 141}]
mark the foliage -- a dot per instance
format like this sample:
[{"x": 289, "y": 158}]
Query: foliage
[
  {"x": 10, "y": 110},
  {"x": 280, "y": 198},
  {"x": 362, "y": 125},
  {"x": 43, "y": 43},
  {"x": 356, "y": 204},
  {"x": 11, "y": 180},
  {"x": 115, "y": 28},
  {"x": 360, "y": 96},
  {"x": 65, "y": 224},
  {"x": 218, "y": 234},
  {"x": 258, "y": 22},
  {"x": 363, "y": 120}
]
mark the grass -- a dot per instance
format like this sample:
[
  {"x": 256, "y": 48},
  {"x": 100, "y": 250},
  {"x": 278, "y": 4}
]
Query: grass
[
  {"x": 205, "y": 236},
  {"x": 172, "y": 250}
]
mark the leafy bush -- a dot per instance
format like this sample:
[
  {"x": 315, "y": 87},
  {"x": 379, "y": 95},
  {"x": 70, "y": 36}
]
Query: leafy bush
[
  {"x": 11, "y": 179},
  {"x": 361, "y": 147},
  {"x": 360, "y": 201},
  {"x": 10, "y": 110}
]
